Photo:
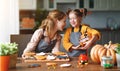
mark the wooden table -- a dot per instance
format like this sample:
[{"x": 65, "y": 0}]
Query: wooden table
[{"x": 22, "y": 66}]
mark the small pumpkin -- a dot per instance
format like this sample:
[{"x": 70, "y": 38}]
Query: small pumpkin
[
  {"x": 82, "y": 59},
  {"x": 98, "y": 51}
]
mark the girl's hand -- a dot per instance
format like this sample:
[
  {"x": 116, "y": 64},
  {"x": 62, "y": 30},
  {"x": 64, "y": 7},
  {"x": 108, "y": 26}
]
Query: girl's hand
[
  {"x": 87, "y": 45},
  {"x": 76, "y": 47}
]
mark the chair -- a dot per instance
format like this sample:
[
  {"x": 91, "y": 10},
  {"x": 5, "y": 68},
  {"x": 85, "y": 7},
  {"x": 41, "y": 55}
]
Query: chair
[{"x": 21, "y": 40}]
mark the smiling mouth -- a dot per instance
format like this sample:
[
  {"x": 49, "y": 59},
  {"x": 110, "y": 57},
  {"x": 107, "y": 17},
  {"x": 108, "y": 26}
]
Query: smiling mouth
[{"x": 73, "y": 24}]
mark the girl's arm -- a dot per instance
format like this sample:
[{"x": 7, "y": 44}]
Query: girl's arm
[
  {"x": 95, "y": 35},
  {"x": 89, "y": 43},
  {"x": 66, "y": 40}
]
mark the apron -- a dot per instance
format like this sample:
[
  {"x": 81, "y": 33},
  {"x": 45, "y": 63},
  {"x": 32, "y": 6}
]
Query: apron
[
  {"x": 44, "y": 46},
  {"x": 74, "y": 39}
]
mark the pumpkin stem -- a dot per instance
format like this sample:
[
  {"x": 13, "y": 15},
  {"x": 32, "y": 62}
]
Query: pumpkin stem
[{"x": 110, "y": 43}]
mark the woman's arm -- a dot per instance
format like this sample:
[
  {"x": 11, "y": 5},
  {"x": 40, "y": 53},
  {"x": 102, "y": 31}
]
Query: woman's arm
[
  {"x": 58, "y": 43},
  {"x": 33, "y": 42}
]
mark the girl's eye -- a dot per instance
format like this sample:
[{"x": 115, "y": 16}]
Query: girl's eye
[{"x": 73, "y": 18}]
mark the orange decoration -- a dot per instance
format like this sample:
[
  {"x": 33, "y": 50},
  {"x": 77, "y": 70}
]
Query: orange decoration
[
  {"x": 98, "y": 51},
  {"x": 27, "y": 23},
  {"x": 4, "y": 63}
]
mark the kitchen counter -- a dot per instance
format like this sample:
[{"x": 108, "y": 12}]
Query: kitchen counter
[{"x": 22, "y": 66}]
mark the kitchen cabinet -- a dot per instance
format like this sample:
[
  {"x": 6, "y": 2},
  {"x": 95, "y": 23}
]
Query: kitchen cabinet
[
  {"x": 40, "y": 4},
  {"x": 105, "y": 38},
  {"x": 115, "y": 36},
  {"x": 50, "y": 4},
  {"x": 27, "y": 4},
  {"x": 94, "y": 5},
  {"x": 100, "y": 5},
  {"x": 114, "y": 5},
  {"x": 109, "y": 35},
  {"x": 45, "y": 4}
]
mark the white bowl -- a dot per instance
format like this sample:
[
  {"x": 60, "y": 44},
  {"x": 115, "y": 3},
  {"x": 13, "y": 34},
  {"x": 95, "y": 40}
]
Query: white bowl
[
  {"x": 41, "y": 53},
  {"x": 65, "y": 65},
  {"x": 50, "y": 57}
]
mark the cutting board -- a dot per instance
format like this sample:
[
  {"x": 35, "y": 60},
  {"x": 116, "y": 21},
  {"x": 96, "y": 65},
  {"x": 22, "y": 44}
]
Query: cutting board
[{"x": 33, "y": 58}]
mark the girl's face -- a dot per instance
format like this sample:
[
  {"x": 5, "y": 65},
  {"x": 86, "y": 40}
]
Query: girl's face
[
  {"x": 61, "y": 24},
  {"x": 74, "y": 20}
]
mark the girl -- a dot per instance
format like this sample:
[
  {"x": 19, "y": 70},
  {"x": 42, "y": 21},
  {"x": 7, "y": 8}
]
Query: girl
[
  {"x": 47, "y": 38},
  {"x": 73, "y": 39}
]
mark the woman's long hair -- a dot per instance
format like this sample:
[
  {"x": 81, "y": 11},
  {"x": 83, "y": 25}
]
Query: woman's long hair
[{"x": 48, "y": 24}]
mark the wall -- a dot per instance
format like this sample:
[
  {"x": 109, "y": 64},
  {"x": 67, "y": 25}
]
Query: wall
[
  {"x": 9, "y": 19},
  {"x": 99, "y": 19}
]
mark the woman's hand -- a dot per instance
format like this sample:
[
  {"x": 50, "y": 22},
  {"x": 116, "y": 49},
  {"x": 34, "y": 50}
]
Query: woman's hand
[
  {"x": 27, "y": 54},
  {"x": 23, "y": 56}
]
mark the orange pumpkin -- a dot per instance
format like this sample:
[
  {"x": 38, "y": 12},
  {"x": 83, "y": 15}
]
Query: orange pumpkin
[{"x": 98, "y": 51}]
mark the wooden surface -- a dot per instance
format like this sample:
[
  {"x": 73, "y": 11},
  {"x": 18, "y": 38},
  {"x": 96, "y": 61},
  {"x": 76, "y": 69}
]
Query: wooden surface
[
  {"x": 22, "y": 66},
  {"x": 30, "y": 61}
]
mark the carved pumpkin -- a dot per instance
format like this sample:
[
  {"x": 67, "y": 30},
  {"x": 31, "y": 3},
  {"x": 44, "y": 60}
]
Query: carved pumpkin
[
  {"x": 84, "y": 38},
  {"x": 98, "y": 51}
]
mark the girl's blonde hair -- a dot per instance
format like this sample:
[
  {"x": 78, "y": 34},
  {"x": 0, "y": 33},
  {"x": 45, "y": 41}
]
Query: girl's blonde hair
[{"x": 48, "y": 24}]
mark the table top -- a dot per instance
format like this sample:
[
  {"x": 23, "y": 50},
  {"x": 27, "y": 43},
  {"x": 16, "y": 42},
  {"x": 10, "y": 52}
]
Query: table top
[{"x": 23, "y": 66}]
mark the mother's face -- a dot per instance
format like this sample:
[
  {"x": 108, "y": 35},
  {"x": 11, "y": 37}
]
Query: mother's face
[
  {"x": 61, "y": 24},
  {"x": 74, "y": 20}
]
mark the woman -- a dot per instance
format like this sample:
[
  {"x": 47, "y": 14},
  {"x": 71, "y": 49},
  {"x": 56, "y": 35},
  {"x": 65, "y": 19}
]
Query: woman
[
  {"x": 46, "y": 38},
  {"x": 73, "y": 40}
]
